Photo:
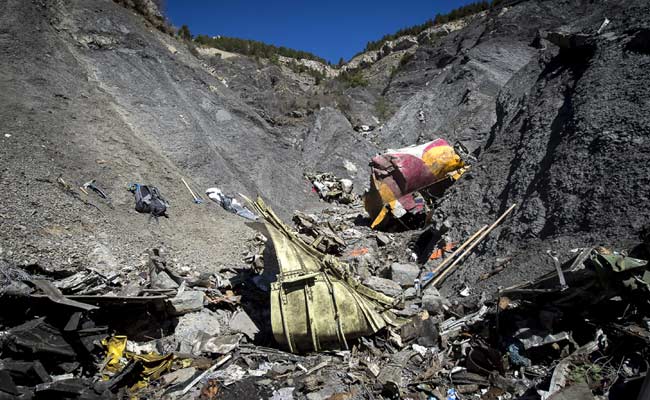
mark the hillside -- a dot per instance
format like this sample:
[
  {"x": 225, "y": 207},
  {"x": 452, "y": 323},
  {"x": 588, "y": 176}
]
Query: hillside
[
  {"x": 548, "y": 120},
  {"x": 103, "y": 94}
]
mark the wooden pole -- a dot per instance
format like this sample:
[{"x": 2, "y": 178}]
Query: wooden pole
[
  {"x": 188, "y": 188},
  {"x": 442, "y": 276},
  {"x": 454, "y": 254}
]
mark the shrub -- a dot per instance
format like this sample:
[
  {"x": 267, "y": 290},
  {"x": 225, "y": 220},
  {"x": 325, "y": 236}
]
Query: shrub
[
  {"x": 382, "y": 109},
  {"x": 184, "y": 33},
  {"x": 352, "y": 78},
  {"x": 405, "y": 59}
]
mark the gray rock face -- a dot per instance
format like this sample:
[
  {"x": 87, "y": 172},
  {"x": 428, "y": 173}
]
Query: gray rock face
[
  {"x": 404, "y": 274},
  {"x": 385, "y": 286},
  {"x": 186, "y": 302},
  {"x": 532, "y": 112},
  {"x": 433, "y": 301},
  {"x": 242, "y": 323},
  {"x": 157, "y": 113}
]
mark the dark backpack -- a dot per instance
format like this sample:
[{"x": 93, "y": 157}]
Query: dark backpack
[{"x": 148, "y": 200}]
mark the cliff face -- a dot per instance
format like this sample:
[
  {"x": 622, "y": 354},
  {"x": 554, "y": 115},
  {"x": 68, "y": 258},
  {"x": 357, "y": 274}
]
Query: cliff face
[
  {"x": 94, "y": 90},
  {"x": 551, "y": 109}
]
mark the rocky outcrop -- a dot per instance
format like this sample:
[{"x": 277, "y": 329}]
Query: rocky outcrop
[
  {"x": 214, "y": 52},
  {"x": 314, "y": 65},
  {"x": 555, "y": 127},
  {"x": 149, "y": 9}
]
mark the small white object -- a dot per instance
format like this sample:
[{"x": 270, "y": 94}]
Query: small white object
[
  {"x": 603, "y": 25},
  {"x": 374, "y": 369},
  {"x": 7, "y": 135},
  {"x": 457, "y": 369},
  {"x": 464, "y": 292},
  {"x": 346, "y": 184},
  {"x": 56, "y": 378},
  {"x": 421, "y": 350},
  {"x": 303, "y": 369},
  {"x": 207, "y": 371},
  {"x": 349, "y": 166}
]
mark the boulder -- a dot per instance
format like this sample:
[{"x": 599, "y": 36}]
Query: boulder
[
  {"x": 404, "y": 274},
  {"x": 433, "y": 301},
  {"x": 242, "y": 323},
  {"x": 186, "y": 302},
  {"x": 162, "y": 280},
  {"x": 382, "y": 239},
  {"x": 385, "y": 286},
  {"x": 179, "y": 376},
  {"x": 410, "y": 293}
]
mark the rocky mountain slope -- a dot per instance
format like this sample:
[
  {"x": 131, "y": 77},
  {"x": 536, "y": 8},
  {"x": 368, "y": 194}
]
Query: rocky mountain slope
[{"x": 91, "y": 90}]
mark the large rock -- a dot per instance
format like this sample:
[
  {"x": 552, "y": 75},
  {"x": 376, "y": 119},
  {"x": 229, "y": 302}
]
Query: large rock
[
  {"x": 193, "y": 325},
  {"x": 385, "y": 286},
  {"x": 242, "y": 323},
  {"x": 186, "y": 302},
  {"x": 216, "y": 344},
  {"x": 179, "y": 377},
  {"x": 162, "y": 280},
  {"x": 433, "y": 301},
  {"x": 404, "y": 274}
]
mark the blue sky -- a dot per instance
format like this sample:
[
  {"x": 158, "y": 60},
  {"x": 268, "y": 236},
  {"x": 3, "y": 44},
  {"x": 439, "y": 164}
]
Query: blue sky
[{"x": 330, "y": 29}]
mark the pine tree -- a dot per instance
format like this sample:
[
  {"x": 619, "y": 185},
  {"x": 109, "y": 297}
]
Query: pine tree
[{"x": 184, "y": 33}]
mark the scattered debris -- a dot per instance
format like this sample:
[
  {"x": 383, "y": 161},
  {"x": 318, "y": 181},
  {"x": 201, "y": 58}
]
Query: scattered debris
[
  {"x": 583, "y": 333},
  {"x": 91, "y": 185},
  {"x": 367, "y": 324},
  {"x": 230, "y": 203},
  {"x": 439, "y": 274},
  {"x": 318, "y": 233},
  {"x": 332, "y": 189},
  {"x": 148, "y": 200}
]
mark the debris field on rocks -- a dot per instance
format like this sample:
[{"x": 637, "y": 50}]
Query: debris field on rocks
[{"x": 500, "y": 250}]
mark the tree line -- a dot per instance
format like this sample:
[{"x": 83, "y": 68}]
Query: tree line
[
  {"x": 453, "y": 15},
  {"x": 253, "y": 47}
]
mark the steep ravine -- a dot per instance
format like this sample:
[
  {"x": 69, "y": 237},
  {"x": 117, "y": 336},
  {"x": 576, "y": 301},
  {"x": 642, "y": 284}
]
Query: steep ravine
[{"x": 93, "y": 90}]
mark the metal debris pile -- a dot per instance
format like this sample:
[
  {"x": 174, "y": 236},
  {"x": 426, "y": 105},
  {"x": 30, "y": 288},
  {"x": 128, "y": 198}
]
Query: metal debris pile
[
  {"x": 333, "y": 309},
  {"x": 581, "y": 331},
  {"x": 332, "y": 189}
]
